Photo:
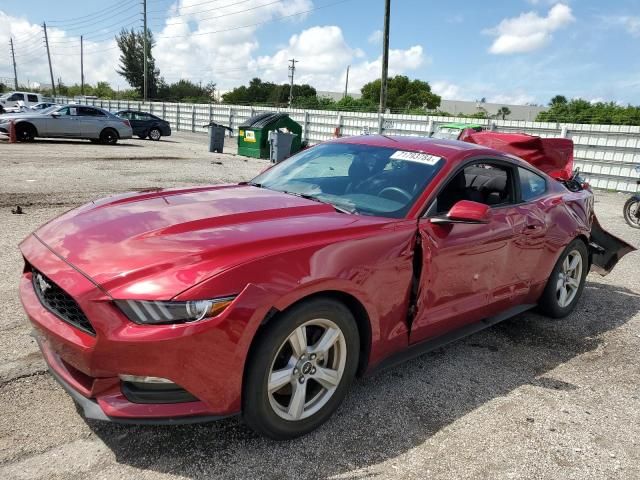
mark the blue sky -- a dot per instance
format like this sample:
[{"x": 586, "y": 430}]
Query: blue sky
[{"x": 509, "y": 51}]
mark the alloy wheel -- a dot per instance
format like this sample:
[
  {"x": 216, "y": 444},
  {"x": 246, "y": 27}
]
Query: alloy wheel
[
  {"x": 569, "y": 278},
  {"x": 631, "y": 213},
  {"x": 307, "y": 369},
  {"x": 154, "y": 134}
]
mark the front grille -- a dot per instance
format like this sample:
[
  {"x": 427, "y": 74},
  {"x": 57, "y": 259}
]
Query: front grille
[{"x": 60, "y": 303}]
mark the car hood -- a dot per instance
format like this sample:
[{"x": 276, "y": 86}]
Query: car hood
[{"x": 162, "y": 242}]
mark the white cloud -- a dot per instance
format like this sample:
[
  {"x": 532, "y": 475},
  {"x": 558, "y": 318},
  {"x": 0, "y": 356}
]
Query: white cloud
[
  {"x": 100, "y": 58},
  {"x": 448, "y": 91},
  {"x": 629, "y": 23},
  {"x": 186, "y": 48},
  {"x": 511, "y": 98},
  {"x": 375, "y": 38},
  {"x": 529, "y": 31},
  {"x": 324, "y": 56}
]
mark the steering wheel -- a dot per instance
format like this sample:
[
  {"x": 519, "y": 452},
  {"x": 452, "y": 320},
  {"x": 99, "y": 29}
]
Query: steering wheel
[{"x": 396, "y": 191}]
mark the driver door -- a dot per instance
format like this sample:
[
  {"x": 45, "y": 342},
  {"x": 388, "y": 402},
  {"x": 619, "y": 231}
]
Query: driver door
[
  {"x": 66, "y": 124},
  {"x": 466, "y": 270}
]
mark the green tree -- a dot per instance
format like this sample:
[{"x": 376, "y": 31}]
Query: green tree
[
  {"x": 504, "y": 112},
  {"x": 259, "y": 92},
  {"x": 402, "y": 94},
  {"x": 131, "y": 44},
  {"x": 558, "y": 100}
]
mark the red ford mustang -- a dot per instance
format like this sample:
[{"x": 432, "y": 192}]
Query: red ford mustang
[{"x": 268, "y": 297}]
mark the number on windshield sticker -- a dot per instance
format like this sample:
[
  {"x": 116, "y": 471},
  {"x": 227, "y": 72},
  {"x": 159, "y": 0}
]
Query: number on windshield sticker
[{"x": 416, "y": 157}]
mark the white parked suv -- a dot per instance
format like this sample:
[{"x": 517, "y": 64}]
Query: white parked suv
[{"x": 11, "y": 100}]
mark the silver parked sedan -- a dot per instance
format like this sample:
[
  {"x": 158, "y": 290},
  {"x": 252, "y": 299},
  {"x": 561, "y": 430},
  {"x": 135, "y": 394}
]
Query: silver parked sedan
[{"x": 69, "y": 121}]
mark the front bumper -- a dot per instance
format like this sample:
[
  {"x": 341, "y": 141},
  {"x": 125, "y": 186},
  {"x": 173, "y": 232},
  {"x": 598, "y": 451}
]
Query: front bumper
[{"x": 206, "y": 358}]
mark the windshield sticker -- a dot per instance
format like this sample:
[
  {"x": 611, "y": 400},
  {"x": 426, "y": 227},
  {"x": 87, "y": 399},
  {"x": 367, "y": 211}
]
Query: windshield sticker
[{"x": 416, "y": 157}]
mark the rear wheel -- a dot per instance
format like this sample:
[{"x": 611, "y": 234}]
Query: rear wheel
[
  {"x": 300, "y": 370},
  {"x": 25, "y": 132},
  {"x": 154, "y": 134},
  {"x": 631, "y": 212},
  {"x": 109, "y": 136},
  {"x": 566, "y": 281}
]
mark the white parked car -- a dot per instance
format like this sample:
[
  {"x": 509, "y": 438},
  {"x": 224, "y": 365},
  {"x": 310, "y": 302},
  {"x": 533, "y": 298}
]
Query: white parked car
[
  {"x": 11, "y": 100},
  {"x": 68, "y": 121}
]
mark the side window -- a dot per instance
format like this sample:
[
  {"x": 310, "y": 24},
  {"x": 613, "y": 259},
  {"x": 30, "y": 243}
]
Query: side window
[
  {"x": 491, "y": 184},
  {"x": 532, "y": 185},
  {"x": 32, "y": 98},
  {"x": 125, "y": 115},
  {"x": 64, "y": 111},
  {"x": 16, "y": 97}
]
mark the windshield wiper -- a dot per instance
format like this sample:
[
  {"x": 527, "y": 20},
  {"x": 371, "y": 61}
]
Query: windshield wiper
[{"x": 316, "y": 199}]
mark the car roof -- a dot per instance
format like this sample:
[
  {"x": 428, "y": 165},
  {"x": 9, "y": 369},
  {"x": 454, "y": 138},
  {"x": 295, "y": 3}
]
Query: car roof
[{"x": 448, "y": 149}]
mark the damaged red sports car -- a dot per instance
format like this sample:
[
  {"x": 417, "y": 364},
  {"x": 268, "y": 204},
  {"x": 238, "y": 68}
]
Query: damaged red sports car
[{"x": 266, "y": 298}]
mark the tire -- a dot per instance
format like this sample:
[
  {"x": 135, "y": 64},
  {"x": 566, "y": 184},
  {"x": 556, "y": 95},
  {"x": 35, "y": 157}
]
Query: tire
[
  {"x": 109, "y": 136},
  {"x": 553, "y": 302},
  {"x": 142, "y": 137},
  {"x": 155, "y": 134},
  {"x": 272, "y": 412},
  {"x": 25, "y": 132},
  {"x": 629, "y": 210},
  {"x": 94, "y": 140}
]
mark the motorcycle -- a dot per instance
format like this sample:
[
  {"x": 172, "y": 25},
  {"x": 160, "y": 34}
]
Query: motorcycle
[{"x": 631, "y": 209}]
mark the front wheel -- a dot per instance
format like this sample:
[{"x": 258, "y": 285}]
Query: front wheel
[
  {"x": 631, "y": 212},
  {"x": 25, "y": 132},
  {"x": 299, "y": 372},
  {"x": 566, "y": 281}
]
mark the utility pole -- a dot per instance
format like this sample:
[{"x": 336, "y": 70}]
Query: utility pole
[
  {"x": 292, "y": 71},
  {"x": 144, "y": 37},
  {"x": 13, "y": 57},
  {"x": 385, "y": 57},
  {"x": 346, "y": 83},
  {"x": 46, "y": 41},
  {"x": 81, "y": 67}
]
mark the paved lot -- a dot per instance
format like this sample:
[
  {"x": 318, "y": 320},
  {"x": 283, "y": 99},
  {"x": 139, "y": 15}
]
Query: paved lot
[{"x": 529, "y": 398}]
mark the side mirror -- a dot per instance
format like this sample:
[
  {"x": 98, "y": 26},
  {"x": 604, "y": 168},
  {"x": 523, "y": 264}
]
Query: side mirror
[
  {"x": 55, "y": 114},
  {"x": 466, "y": 211}
]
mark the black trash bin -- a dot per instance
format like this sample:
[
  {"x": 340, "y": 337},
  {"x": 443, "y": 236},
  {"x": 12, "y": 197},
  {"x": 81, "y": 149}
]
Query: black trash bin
[
  {"x": 216, "y": 136},
  {"x": 280, "y": 144}
]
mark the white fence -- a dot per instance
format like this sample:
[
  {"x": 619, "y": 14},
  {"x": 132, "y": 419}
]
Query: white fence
[{"x": 606, "y": 154}]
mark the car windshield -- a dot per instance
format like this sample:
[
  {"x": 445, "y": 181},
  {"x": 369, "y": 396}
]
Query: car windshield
[
  {"x": 447, "y": 133},
  {"x": 360, "y": 179},
  {"x": 45, "y": 111}
]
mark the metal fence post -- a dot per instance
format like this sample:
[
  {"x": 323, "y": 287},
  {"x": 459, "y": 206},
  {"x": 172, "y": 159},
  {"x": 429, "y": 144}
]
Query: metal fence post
[
  {"x": 231, "y": 118},
  {"x": 380, "y": 123},
  {"x": 193, "y": 118},
  {"x": 305, "y": 134},
  {"x": 164, "y": 110},
  {"x": 338, "y": 130},
  {"x": 210, "y": 112},
  {"x": 177, "y": 116}
]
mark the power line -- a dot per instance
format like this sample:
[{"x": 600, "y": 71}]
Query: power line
[
  {"x": 88, "y": 17},
  {"x": 210, "y": 10},
  {"x": 260, "y": 23}
]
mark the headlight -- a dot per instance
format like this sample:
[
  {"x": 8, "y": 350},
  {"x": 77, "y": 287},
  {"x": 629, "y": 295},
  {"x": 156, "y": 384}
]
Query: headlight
[{"x": 149, "y": 312}]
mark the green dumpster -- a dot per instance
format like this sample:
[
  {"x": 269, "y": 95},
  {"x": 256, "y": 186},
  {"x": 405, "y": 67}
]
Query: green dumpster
[{"x": 253, "y": 135}]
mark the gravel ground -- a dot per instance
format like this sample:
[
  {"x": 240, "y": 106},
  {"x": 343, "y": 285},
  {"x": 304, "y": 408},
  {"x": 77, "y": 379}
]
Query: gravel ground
[{"x": 529, "y": 398}]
